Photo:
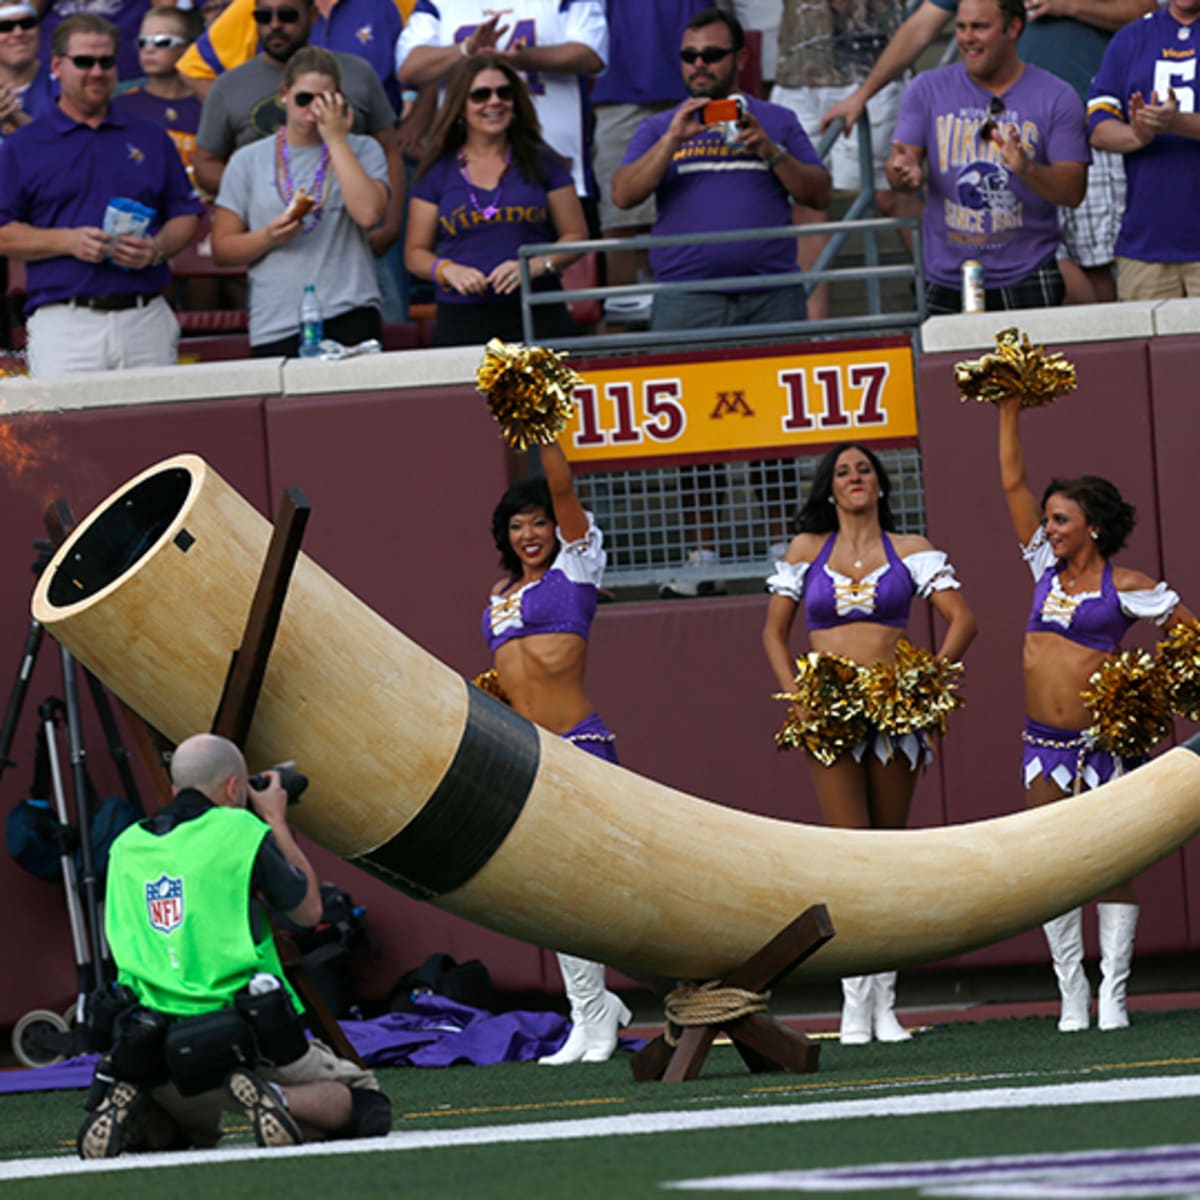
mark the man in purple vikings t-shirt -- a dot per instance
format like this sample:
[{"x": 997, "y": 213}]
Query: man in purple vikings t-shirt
[
  {"x": 95, "y": 296},
  {"x": 1006, "y": 145},
  {"x": 1143, "y": 106},
  {"x": 704, "y": 182}
]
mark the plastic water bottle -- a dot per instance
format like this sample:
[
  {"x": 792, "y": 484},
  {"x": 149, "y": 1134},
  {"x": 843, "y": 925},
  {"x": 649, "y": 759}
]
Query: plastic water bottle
[{"x": 312, "y": 327}]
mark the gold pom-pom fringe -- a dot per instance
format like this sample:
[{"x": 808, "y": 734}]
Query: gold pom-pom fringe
[
  {"x": 1015, "y": 369},
  {"x": 828, "y": 694},
  {"x": 489, "y": 681},
  {"x": 913, "y": 692},
  {"x": 1178, "y": 658},
  {"x": 1129, "y": 703},
  {"x": 530, "y": 391}
]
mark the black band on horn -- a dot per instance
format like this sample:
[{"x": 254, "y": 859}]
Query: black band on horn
[
  {"x": 1193, "y": 743},
  {"x": 471, "y": 810}
]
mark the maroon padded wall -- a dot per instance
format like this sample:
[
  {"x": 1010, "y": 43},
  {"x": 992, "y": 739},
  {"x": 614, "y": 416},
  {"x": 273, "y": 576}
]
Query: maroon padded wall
[
  {"x": 84, "y": 456},
  {"x": 402, "y": 485}
]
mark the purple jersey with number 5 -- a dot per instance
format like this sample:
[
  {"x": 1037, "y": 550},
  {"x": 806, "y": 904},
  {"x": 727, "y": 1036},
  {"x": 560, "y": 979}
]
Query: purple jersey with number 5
[{"x": 1156, "y": 54}]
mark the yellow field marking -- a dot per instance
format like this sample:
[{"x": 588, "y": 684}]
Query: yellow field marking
[
  {"x": 843, "y": 1084},
  {"x": 510, "y": 1108}
]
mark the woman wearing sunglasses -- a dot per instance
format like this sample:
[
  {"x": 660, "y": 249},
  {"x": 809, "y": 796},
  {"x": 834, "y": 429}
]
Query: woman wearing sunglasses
[
  {"x": 487, "y": 185},
  {"x": 343, "y": 175}
]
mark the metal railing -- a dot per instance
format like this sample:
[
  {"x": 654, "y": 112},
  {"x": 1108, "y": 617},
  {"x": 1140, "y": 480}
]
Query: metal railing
[{"x": 855, "y": 223}]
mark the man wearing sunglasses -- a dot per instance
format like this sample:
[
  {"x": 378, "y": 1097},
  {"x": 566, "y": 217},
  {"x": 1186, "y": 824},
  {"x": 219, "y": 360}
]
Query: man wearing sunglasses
[
  {"x": 710, "y": 177},
  {"x": 711, "y": 174},
  {"x": 126, "y": 15},
  {"x": 26, "y": 87},
  {"x": 1006, "y": 145},
  {"x": 243, "y": 106},
  {"x": 95, "y": 298}
]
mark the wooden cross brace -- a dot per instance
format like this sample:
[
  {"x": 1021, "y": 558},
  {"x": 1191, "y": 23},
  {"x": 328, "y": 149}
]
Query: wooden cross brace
[{"x": 764, "y": 1043}]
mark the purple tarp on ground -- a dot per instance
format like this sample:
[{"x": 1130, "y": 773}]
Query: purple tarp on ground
[{"x": 439, "y": 1033}]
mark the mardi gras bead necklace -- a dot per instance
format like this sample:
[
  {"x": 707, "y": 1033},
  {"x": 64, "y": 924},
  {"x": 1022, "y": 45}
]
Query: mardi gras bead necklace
[
  {"x": 287, "y": 188},
  {"x": 488, "y": 213}
]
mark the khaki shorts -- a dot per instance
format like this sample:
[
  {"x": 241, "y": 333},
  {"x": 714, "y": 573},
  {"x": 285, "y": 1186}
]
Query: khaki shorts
[
  {"x": 199, "y": 1117},
  {"x": 811, "y": 103},
  {"x": 1137, "y": 280},
  {"x": 615, "y": 126}
]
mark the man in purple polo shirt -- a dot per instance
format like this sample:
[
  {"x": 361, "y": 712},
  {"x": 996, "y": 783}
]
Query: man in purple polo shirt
[
  {"x": 96, "y": 301},
  {"x": 704, "y": 182},
  {"x": 1006, "y": 145}
]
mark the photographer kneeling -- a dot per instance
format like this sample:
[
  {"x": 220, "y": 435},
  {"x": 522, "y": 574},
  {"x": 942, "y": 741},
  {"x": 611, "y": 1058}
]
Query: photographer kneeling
[{"x": 211, "y": 1023}]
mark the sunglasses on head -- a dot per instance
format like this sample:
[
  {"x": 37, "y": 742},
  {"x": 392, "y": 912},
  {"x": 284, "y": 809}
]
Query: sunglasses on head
[
  {"x": 18, "y": 23},
  {"x": 995, "y": 112},
  {"x": 710, "y": 54},
  {"x": 85, "y": 62},
  {"x": 481, "y": 95},
  {"x": 160, "y": 41},
  {"x": 285, "y": 16}
]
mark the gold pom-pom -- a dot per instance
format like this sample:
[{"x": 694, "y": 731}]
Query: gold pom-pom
[
  {"x": 489, "y": 681},
  {"x": 827, "y": 692},
  {"x": 530, "y": 391},
  {"x": 1178, "y": 658},
  {"x": 913, "y": 692},
  {"x": 1129, "y": 704},
  {"x": 1015, "y": 369}
]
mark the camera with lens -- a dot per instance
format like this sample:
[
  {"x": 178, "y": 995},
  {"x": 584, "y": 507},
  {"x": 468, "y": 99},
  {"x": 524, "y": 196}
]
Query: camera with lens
[{"x": 291, "y": 780}]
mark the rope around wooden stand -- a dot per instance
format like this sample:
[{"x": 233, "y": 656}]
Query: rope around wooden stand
[{"x": 693, "y": 1004}]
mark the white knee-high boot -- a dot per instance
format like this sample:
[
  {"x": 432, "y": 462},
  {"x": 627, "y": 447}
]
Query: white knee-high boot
[
  {"x": 1065, "y": 937},
  {"x": 857, "y": 1012},
  {"x": 1118, "y": 924},
  {"x": 596, "y": 1014},
  {"x": 883, "y": 1004}
]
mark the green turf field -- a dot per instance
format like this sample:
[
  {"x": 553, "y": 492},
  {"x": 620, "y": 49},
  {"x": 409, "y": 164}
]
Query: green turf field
[{"x": 1014, "y": 1092}]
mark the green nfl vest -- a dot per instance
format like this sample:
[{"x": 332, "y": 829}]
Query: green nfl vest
[{"x": 177, "y": 912}]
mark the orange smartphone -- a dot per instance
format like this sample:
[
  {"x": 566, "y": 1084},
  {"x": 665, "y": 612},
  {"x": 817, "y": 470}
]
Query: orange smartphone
[{"x": 716, "y": 111}]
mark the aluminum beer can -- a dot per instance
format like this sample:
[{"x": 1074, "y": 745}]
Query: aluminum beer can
[{"x": 972, "y": 286}]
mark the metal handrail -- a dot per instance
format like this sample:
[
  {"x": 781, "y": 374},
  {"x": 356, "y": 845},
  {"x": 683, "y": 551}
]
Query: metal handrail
[{"x": 861, "y": 218}]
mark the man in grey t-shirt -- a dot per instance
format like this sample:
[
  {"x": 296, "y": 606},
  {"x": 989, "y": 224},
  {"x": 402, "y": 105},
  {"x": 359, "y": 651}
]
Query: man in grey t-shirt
[{"x": 243, "y": 106}]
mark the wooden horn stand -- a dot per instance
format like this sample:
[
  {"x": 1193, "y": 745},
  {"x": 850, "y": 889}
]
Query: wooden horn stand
[{"x": 763, "y": 1042}]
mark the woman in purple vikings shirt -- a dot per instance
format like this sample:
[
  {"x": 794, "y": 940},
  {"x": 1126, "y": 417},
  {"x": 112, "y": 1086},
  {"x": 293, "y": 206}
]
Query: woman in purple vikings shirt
[
  {"x": 536, "y": 624},
  {"x": 486, "y": 186},
  {"x": 855, "y": 579},
  {"x": 1083, "y": 605}
]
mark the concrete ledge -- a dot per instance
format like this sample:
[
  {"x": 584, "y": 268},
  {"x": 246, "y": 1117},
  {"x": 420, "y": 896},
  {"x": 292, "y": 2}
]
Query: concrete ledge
[
  {"x": 1175, "y": 317},
  {"x": 1045, "y": 326},
  {"x": 147, "y": 385},
  {"x": 375, "y": 372}
]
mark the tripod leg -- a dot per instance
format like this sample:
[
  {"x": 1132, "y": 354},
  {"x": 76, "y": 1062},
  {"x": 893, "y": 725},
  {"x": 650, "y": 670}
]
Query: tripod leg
[
  {"x": 16, "y": 699},
  {"x": 79, "y": 941},
  {"x": 90, "y": 884},
  {"x": 112, "y": 735}
]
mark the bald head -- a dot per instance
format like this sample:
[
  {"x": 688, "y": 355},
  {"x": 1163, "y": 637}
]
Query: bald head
[{"x": 207, "y": 763}]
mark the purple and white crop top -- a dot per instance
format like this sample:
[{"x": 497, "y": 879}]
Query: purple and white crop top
[
  {"x": 1097, "y": 620},
  {"x": 883, "y": 597},
  {"x": 562, "y": 601}
]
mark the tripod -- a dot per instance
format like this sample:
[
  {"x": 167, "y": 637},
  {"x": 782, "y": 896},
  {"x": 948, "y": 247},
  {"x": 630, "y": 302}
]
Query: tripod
[{"x": 42, "y": 1036}]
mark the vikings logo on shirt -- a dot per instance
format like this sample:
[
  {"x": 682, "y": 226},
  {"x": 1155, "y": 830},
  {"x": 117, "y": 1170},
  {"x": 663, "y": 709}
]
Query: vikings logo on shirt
[
  {"x": 136, "y": 154},
  {"x": 365, "y": 34},
  {"x": 984, "y": 185},
  {"x": 164, "y": 903}
]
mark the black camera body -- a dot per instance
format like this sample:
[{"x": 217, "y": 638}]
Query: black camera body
[{"x": 292, "y": 781}]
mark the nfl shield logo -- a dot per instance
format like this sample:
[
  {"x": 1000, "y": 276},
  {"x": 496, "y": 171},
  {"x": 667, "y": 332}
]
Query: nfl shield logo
[{"x": 164, "y": 903}]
